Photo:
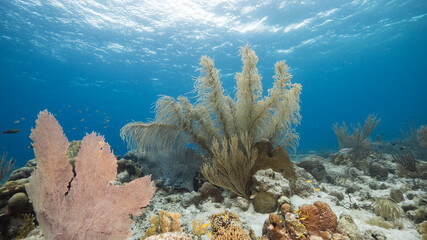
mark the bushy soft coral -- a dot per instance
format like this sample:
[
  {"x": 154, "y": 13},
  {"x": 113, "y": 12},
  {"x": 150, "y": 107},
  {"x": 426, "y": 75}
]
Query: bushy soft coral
[
  {"x": 164, "y": 222},
  {"x": 224, "y": 128}
]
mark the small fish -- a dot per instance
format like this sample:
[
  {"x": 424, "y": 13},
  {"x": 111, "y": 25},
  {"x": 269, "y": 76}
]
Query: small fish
[
  {"x": 74, "y": 128},
  {"x": 302, "y": 218},
  {"x": 97, "y": 110},
  {"x": 226, "y": 216},
  {"x": 317, "y": 189},
  {"x": 252, "y": 196},
  {"x": 17, "y": 121},
  {"x": 302, "y": 225},
  {"x": 79, "y": 111},
  {"x": 308, "y": 181},
  {"x": 205, "y": 225},
  {"x": 23, "y": 119},
  {"x": 81, "y": 120},
  {"x": 69, "y": 106},
  {"x": 31, "y": 146},
  {"x": 346, "y": 150},
  {"x": 12, "y": 131},
  {"x": 209, "y": 233},
  {"x": 296, "y": 210},
  {"x": 105, "y": 126}
]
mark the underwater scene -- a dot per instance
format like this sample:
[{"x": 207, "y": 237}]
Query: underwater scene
[{"x": 222, "y": 120}]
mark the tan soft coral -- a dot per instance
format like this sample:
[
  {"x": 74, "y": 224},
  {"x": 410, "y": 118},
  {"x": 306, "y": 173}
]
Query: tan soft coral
[
  {"x": 224, "y": 128},
  {"x": 198, "y": 231},
  {"x": 164, "y": 222}
]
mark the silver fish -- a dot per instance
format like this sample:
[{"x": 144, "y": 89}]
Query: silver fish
[{"x": 346, "y": 150}]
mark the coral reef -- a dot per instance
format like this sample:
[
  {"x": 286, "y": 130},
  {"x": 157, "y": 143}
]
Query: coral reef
[
  {"x": 315, "y": 221},
  {"x": 216, "y": 122}
]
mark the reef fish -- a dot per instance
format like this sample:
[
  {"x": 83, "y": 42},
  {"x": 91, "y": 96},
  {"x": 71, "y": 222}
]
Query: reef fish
[
  {"x": 346, "y": 150},
  {"x": 12, "y": 131}
]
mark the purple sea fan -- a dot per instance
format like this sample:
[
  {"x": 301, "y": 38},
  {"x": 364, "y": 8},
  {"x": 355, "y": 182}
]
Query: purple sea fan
[{"x": 87, "y": 205}]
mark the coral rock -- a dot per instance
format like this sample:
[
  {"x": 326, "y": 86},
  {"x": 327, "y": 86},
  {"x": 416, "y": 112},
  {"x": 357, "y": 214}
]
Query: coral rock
[
  {"x": 319, "y": 219},
  {"x": 18, "y": 203},
  {"x": 223, "y": 220},
  {"x": 171, "y": 236},
  {"x": 130, "y": 167},
  {"x": 274, "y": 228},
  {"x": 231, "y": 233},
  {"x": 10, "y": 188},
  {"x": 397, "y": 195},
  {"x": 301, "y": 187},
  {"x": 378, "y": 171},
  {"x": 268, "y": 186},
  {"x": 285, "y": 208},
  {"x": 374, "y": 234},
  {"x": 243, "y": 203},
  {"x": 209, "y": 191},
  {"x": 347, "y": 227},
  {"x": 24, "y": 172},
  {"x": 265, "y": 202},
  {"x": 313, "y": 165},
  {"x": 275, "y": 158},
  {"x": 187, "y": 199},
  {"x": 294, "y": 227}
]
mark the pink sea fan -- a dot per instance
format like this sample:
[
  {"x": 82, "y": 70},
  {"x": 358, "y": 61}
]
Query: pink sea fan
[{"x": 87, "y": 206}]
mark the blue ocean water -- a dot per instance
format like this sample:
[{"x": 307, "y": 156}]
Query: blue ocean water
[{"x": 99, "y": 64}]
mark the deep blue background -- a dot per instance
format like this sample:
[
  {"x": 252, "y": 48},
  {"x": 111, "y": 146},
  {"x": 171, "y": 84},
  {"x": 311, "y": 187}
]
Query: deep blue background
[{"x": 362, "y": 61}]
